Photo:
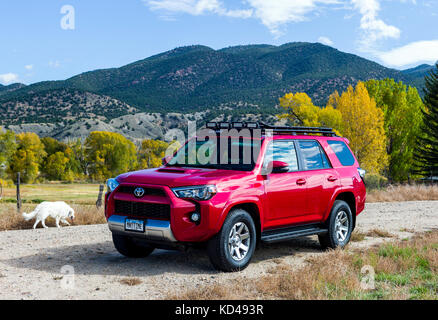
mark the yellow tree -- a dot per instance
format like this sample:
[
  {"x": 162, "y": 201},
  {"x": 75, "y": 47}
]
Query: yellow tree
[
  {"x": 363, "y": 125},
  {"x": 28, "y": 157}
]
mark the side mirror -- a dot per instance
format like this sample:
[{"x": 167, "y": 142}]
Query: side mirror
[
  {"x": 166, "y": 160},
  {"x": 278, "y": 167}
]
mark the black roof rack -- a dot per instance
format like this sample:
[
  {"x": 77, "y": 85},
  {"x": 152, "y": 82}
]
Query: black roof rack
[{"x": 273, "y": 129}]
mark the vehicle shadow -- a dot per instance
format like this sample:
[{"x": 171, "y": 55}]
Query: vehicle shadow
[{"x": 103, "y": 259}]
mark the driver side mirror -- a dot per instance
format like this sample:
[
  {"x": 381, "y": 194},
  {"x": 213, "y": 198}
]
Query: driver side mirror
[{"x": 277, "y": 167}]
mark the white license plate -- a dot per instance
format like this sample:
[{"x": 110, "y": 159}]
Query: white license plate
[{"x": 134, "y": 225}]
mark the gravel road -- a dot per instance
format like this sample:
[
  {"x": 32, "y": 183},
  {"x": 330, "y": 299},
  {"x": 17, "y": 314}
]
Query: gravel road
[{"x": 31, "y": 261}]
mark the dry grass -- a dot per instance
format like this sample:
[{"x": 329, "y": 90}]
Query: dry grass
[
  {"x": 131, "y": 281},
  {"x": 357, "y": 236},
  {"x": 403, "y": 270},
  {"x": 11, "y": 220},
  {"x": 404, "y": 193},
  {"x": 379, "y": 233}
]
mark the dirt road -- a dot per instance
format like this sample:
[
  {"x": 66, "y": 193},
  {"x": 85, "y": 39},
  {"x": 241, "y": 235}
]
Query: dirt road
[{"x": 31, "y": 261}]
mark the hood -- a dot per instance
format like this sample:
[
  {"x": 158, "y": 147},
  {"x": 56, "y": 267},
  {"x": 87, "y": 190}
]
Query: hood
[{"x": 180, "y": 177}]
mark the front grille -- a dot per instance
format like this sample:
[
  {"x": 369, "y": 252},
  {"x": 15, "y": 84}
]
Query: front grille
[
  {"x": 147, "y": 191},
  {"x": 143, "y": 209}
]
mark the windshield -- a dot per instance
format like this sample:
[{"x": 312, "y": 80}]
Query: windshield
[{"x": 227, "y": 153}]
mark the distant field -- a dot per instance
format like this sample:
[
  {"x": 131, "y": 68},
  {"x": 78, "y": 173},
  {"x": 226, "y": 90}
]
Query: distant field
[{"x": 71, "y": 193}]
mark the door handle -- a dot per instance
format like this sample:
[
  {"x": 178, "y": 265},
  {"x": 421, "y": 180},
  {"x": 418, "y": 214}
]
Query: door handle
[
  {"x": 332, "y": 178},
  {"x": 301, "y": 182}
]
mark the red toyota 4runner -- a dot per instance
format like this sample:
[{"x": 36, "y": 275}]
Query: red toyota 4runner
[{"x": 295, "y": 182}]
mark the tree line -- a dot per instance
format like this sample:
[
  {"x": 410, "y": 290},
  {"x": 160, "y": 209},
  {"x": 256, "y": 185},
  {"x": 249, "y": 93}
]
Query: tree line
[
  {"x": 102, "y": 155},
  {"x": 392, "y": 131}
]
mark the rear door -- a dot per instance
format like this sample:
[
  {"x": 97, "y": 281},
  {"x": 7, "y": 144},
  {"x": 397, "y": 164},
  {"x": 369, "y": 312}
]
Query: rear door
[
  {"x": 285, "y": 192},
  {"x": 321, "y": 179}
]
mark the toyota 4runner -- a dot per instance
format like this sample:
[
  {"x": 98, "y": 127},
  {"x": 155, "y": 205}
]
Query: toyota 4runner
[{"x": 296, "y": 181}]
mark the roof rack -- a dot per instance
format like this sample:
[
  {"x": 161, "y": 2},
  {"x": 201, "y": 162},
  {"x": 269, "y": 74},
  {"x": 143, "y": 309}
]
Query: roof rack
[{"x": 273, "y": 129}]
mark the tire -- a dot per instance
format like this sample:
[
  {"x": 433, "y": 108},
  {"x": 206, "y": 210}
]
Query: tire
[
  {"x": 224, "y": 249},
  {"x": 127, "y": 247},
  {"x": 333, "y": 239}
]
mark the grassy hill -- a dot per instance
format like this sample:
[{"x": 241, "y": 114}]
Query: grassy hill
[{"x": 247, "y": 79}]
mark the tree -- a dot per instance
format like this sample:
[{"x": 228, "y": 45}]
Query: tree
[
  {"x": 56, "y": 167},
  {"x": 7, "y": 149},
  {"x": 402, "y": 108},
  {"x": 151, "y": 152},
  {"x": 363, "y": 125},
  {"x": 109, "y": 154},
  {"x": 27, "y": 158},
  {"x": 300, "y": 110},
  {"x": 427, "y": 143}
]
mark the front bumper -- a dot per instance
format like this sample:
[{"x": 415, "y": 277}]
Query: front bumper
[{"x": 156, "y": 230}]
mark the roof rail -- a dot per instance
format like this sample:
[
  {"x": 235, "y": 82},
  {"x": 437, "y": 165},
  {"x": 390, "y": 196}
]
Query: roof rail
[{"x": 273, "y": 129}]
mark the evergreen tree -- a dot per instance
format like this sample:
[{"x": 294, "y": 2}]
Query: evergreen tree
[{"x": 427, "y": 147}]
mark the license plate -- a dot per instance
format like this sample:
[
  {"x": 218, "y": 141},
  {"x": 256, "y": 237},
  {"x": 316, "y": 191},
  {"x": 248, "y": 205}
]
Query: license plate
[{"x": 134, "y": 225}]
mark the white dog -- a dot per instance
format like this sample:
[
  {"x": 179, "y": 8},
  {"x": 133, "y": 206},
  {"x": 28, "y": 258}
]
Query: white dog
[{"x": 59, "y": 211}]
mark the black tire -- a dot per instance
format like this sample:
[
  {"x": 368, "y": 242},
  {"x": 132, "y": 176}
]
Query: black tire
[
  {"x": 127, "y": 247},
  {"x": 330, "y": 239},
  {"x": 218, "y": 246}
]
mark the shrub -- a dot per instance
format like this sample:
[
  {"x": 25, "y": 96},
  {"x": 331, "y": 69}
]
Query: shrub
[{"x": 375, "y": 181}]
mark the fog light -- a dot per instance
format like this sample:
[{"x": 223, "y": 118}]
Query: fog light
[{"x": 195, "y": 217}]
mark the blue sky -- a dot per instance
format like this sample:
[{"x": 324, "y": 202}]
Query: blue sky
[{"x": 39, "y": 40}]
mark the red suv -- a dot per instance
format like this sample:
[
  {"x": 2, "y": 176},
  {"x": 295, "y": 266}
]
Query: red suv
[{"x": 276, "y": 185}]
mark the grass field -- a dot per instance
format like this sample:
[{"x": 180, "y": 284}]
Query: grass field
[{"x": 81, "y": 197}]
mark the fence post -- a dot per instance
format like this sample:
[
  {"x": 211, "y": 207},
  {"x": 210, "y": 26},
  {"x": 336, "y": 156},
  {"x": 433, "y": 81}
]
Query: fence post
[
  {"x": 18, "y": 193},
  {"x": 99, "y": 197}
]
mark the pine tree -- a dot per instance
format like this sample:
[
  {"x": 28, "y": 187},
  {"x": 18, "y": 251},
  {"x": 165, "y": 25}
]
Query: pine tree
[{"x": 427, "y": 149}]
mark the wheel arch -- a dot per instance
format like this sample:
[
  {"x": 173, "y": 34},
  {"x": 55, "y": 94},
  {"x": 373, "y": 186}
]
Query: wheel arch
[
  {"x": 350, "y": 199},
  {"x": 252, "y": 208}
]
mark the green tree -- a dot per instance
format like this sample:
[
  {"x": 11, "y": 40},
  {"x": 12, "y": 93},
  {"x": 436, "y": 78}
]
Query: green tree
[
  {"x": 402, "y": 109},
  {"x": 27, "y": 158},
  {"x": 55, "y": 167},
  {"x": 109, "y": 154},
  {"x": 7, "y": 149},
  {"x": 427, "y": 144}
]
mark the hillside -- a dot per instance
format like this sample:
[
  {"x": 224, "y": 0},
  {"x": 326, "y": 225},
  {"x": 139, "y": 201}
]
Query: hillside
[{"x": 236, "y": 80}]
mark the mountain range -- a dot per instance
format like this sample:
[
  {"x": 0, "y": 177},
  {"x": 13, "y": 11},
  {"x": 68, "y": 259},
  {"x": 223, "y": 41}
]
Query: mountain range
[{"x": 197, "y": 79}]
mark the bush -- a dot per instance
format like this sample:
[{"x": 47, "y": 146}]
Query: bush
[
  {"x": 375, "y": 181},
  {"x": 6, "y": 183}
]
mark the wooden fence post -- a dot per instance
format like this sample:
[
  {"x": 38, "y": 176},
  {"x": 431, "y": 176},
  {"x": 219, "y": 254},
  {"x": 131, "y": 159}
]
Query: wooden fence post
[
  {"x": 18, "y": 193},
  {"x": 99, "y": 197}
]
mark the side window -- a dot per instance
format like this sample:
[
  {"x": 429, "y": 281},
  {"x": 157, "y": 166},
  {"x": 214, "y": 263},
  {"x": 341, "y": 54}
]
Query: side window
[
  {"x": 342, "y": 152},
  {"x": 282, "y": 150},
  {"x": 313, "y": 155}
]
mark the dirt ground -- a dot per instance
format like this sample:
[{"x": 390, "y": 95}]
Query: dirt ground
[{"x": 37, "y": 264}]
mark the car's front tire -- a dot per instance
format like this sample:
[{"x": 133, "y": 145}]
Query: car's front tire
[
  {"x": 340, "y": 226},
  {"x": 127, "y": 247},
  {"x": 233, "y": 247}
]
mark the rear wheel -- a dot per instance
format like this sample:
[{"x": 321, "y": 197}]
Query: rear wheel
[
  {"x": 127, "y": 247},
  {"x": 340, "y": 226},
  {"x": 233, "y": 247}
]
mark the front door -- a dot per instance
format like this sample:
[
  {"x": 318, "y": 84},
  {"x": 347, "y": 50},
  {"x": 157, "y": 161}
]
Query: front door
[{"x": 285, "y": 192}]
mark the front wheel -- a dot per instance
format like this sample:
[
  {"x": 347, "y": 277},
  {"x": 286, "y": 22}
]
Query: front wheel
[
  {"x": 340, "y": 226},
  {"x": 127, "y": 247},
  {"x": 233, "y": 247}
]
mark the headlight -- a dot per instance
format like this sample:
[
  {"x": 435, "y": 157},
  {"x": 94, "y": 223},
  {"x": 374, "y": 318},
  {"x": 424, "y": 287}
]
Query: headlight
[
  {"x": 197, "y": 192},
  {"x": 112, "y": 184}
]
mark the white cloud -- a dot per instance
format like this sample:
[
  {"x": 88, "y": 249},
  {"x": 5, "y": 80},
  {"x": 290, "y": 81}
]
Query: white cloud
[
  {"x": 54, "y": 64},
  {"x": 374, "y": 28},
  {"x": 196, "y": 7},
  {"x": 276, "y": 13},
  {"x": 410, "y": 54},
  {"x": 28, "y": 67},
  {"x": 8, "y": 78},
  {"x": 326, "y": 41}
]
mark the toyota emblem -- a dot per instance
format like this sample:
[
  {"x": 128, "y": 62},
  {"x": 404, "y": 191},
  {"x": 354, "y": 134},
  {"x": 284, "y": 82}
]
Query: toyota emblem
[{"x": 139, "y": 192}]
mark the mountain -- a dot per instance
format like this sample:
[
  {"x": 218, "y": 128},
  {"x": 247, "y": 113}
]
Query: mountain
[
  {"x": 10, "y": 88},
  {"x": 236, "y": 80},
  {"x": 415, "y": 76}
]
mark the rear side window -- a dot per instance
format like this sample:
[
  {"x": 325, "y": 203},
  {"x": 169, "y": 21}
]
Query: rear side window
[
  {"x": 342, "y": 152},
  {"x": 313, "y": 156}
]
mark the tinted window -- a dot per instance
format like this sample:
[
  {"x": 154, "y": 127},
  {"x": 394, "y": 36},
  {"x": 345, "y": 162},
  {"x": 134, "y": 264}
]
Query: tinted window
[
  {"x": 342, "y": 152},
  {"x": 282, "y": 150},
  {"x": 313, "y": 157}
]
